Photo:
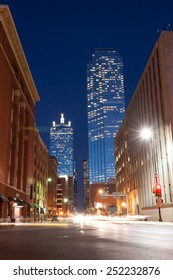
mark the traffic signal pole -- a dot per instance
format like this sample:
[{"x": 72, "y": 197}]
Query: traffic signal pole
[
  {"x": 146, "y": 133},
  {"x": 160, "y": 218},
  {"x": 158, "y": 193}
]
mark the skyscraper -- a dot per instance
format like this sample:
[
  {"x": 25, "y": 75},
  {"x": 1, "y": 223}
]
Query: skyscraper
[
  {"x": 85, "y": 181},
  {"x": 106, "y": 110},
  {"x": 61, "y": 146}
]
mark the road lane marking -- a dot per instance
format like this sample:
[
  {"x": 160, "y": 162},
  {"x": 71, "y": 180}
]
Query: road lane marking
[
  {"x": 41, "y": 224},
  {"x": 62, "y": 236}
]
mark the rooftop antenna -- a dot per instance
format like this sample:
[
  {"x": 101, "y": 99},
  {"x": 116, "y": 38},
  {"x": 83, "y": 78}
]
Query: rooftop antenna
[{"x": 62, "y": 118}]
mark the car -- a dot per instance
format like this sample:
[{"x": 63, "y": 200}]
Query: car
[{"x": 55, "y": 218}]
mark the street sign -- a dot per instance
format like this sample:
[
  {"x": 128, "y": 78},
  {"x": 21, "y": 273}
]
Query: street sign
[
  {"x": 159, "y": 201},
  {"x": 116, "y": 194},
  {"x": 104, "y": 195}
]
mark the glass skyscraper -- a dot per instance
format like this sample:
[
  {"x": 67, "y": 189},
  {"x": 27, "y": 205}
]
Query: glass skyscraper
[
  {"x": 61, "y": 146},
  {"x": 106, "y": 110}
]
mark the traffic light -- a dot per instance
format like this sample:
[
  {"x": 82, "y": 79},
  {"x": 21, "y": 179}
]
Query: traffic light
[
  {"x": 158, "y": 190},
  {"x": 154, "y": 190}
]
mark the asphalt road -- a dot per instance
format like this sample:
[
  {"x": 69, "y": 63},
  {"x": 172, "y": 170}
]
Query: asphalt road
[{"x": 87, "y": 240}]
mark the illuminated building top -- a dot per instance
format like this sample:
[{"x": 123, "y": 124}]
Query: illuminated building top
[{"x": 61, "y": 146}]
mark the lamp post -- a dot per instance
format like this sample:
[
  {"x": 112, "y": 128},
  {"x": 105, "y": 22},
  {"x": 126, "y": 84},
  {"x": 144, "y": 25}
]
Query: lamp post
[
  {"x": 146, "y": 134},
  {"x": 99, "y": 200},
  {"x": 65, "y": 205},
  {"x": 124, "y": 206}
]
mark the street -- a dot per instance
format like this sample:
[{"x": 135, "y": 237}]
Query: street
[{"x": 89, "y": 239}]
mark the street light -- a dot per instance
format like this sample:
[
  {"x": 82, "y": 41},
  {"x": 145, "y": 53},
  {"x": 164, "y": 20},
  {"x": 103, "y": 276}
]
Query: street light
[
  {"x": 65, "y": 200},
  {"x": 147, "y": 134},
  {"x": 124, "y": 206},
  {"x": 65, "y": 205},
  {"x": 100, "y": 191}
]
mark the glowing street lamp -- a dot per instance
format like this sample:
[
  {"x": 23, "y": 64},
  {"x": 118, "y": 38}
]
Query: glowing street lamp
[
  {"x": 65, "y": 200},
  {"x": 124, "y": 206},
  {"x": 147, "y": 134},
  {"x": 100, "y": 191}
]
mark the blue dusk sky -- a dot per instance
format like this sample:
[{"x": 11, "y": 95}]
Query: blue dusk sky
[{"x": 58, "y": 38}]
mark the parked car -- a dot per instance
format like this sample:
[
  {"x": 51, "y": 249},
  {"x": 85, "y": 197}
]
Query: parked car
[{"x": 55, "y": 218}]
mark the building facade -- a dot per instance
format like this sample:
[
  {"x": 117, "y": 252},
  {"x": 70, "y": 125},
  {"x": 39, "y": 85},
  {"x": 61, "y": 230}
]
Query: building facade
[
  {"x": 101, "y": 197},
  {"x": 66, "y": 195},
  {"x": 18, "y": 97},
  {"x": 63, "y": 196},
  {"x": 60, "y": 194},
  {"x": 40, "y": 183},
  {"x": 85, "y": 182},
  {"x": 140, "y": 164},
  {"x": 106, "y": 108},
  {"x": 52, "y": 186},
  {"x": 61, "y": 146}
]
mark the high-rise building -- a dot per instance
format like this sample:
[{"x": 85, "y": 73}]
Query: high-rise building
[
  {"x": 85, "y": 181},
  {"x": 106, "y": 109},
  {"x": 61, "y": 146}
]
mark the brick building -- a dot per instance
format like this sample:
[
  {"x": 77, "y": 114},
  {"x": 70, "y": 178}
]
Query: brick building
[
  {"x": 18, "y": 97},
  {"x": 101, "y": 195},
  {"x": 52, "y": 186}
]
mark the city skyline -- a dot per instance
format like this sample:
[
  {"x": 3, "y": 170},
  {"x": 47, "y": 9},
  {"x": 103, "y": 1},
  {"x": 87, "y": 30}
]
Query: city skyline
[
  {"x": 58, "y": 45},
  {"x": 39, "y": 215},
  {"x": 106, "y": 109}
]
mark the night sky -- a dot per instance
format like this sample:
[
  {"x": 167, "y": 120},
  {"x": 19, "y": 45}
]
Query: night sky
[{"x": 58, "y": 38}]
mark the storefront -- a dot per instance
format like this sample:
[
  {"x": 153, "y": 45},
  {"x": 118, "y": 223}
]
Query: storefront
[
  {"x": 3, "y": 207},
  {"x": 18, "y": 209}
]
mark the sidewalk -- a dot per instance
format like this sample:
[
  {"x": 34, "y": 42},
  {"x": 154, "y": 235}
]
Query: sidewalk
[
  {"x": 138, "y": 219},
  {"x": 2, "y": 225}
]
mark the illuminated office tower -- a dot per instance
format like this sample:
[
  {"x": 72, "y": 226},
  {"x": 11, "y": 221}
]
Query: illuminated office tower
[
  {"x": 106, "y": 110},
  {"x": 61, "y": 146}
]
